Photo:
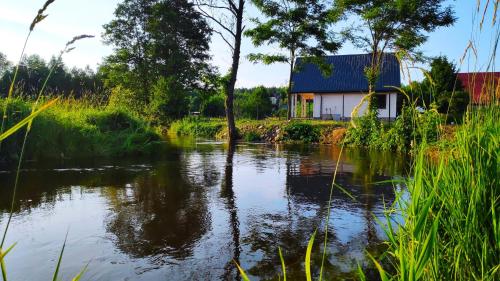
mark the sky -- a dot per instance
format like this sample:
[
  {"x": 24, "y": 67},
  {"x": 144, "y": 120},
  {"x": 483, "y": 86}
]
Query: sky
[{"x": 68, "y": 18}]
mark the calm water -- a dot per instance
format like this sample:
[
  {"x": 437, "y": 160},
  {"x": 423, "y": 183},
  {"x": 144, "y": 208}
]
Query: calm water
[{"x": 196, "y": 207}]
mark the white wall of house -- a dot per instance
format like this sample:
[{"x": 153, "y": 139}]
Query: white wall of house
[{"x": 341, "y": 105}]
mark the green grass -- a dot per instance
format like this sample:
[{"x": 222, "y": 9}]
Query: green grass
[
  {"x": 76, "y": 129},
  {"x": 451, "y": 228}
]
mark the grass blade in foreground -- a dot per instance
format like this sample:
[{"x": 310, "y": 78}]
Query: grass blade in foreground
[
  {"x": 27, "y": 120},
  {"x": 242, "y": 272},
  {"x": 282, "y": 264},
  {"x": 56, "y": 272},
  {"x": 307, "y": 264}
]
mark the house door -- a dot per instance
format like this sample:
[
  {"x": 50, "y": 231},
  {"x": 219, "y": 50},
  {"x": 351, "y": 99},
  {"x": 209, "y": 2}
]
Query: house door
[
  {"x": 309, "y": 108},
  {"x": 306, "y": 106}
]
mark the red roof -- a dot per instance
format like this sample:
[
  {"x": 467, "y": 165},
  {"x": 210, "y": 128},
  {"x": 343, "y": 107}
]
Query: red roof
[{"x": 481, "y": 85}]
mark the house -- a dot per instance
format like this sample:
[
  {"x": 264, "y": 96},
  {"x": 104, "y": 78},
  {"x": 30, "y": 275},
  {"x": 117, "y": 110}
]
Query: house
[
  {"x": 480, "y": 85},
  {"x": 334, "y": 97}
]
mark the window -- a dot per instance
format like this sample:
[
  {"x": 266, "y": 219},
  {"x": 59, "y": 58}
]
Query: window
[{"x": 381, "y": 101}]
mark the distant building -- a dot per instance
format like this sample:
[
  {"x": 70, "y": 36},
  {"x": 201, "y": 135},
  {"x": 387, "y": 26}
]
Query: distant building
[
  {"x": 334, "y": 97},
  {"x": 480, "y": 85}
]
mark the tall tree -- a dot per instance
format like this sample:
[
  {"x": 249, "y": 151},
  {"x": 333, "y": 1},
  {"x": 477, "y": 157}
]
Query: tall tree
[
  {"x": 298, "y": 27},
  {"x": 4, "y": 64},
  {"x": 392, "y": 26},
  {"x": 227, "y": 17},
  {"x": 156, "y": 39}
]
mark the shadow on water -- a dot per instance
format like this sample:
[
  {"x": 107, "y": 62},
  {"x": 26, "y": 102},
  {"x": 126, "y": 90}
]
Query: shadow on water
[{"x": 192, "y": 211}]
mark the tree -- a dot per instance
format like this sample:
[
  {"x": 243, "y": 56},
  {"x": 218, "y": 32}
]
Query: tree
[
  {"x": 443, "y": 77},
  {"x": 392, "y": 26},
  {"x": 33, "y": 70},
  {"x": 442, "y": 87},
  {"x": 156, "y": 39},
  {"x": 168, "y": 100},
  {"x": 227, "y": 15},
  {"x": 254, "y": 103},
  {"x": 4, "y": 64},
  {"x": 297, "y": 26}
]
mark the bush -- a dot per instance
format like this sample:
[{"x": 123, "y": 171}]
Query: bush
[
  {"x": 304, "y": 132},
  {"x": 195, "y": 126},
  {"x": 251, "y": 136},
  {"x": 367, "y": 131}
]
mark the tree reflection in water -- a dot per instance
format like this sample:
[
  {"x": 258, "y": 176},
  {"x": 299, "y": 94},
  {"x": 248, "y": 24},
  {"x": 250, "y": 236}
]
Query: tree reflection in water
[
  {"x": 160, "y": 214},
  {"x": 227, "y": 193}
]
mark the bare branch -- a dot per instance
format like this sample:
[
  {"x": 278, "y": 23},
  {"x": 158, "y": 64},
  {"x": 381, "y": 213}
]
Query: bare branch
[
  {"x": 224, "y": 38},
  {"x": 232, "y": 5},
  {"x": 222, "y": 25},
  {"x": 199, "y": 4}
]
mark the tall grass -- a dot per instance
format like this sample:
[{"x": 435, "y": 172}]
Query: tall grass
[
  {"x": 27, "y": 123},
  {"x": 451, "y": 228}
]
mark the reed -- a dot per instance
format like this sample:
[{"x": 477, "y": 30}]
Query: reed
[{"x": 27, "y": 122}]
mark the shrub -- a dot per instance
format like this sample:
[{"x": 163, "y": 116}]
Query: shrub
[
  {"x": 195, "y": 126},
  {"x": 367, "y": 131},
  {"x": 251, "y": 136},
  {"x": 305, "y": 132}
]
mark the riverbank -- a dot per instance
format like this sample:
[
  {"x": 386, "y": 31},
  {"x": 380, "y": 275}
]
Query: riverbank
[
  {"x": 271, "y": 130},
  {"x": 367, "y": 131},
  {"x": 77, "y": 129}
]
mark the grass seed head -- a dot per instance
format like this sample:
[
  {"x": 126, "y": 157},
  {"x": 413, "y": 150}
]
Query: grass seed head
[{"x": 40, "y": 16}]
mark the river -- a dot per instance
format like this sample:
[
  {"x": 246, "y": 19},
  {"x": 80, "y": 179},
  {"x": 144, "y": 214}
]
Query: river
[{"x": 196, "y": 207}]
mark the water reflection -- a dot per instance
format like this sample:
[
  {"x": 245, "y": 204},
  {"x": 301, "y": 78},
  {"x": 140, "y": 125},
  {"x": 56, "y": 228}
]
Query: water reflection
[{"x": 189, "y": 214}]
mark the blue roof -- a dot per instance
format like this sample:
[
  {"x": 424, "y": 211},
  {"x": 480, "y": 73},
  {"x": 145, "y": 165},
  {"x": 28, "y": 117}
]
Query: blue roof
[{"x": 347, "y": 76}]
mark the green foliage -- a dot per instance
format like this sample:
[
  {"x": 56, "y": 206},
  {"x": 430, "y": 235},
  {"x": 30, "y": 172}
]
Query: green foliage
[
  {"x": 367, "y": 131},
  {"x": 251, "y": 136},
  {"x": 254, "y": 104},
  {"x": 300, "y": 27},
  {"x": 126, "y": 99},
  {"x": 214, "y": 106},
  {"x": 198, "y": 127},
  {"x": 400, "y": 134},
  {"x": 156, "y": 43},
  {"x": 168, "y": 101},
  {"x": 442, "y": 77},
  {"x": 70, "y": 129},
  {"x": 450, "y": 228},
  {"x": 304, "y": 132},
  {"x": 64, "y": 82},
  {"x": 392, "y": 26},
  {"x": 454, "y": 104},
  {"x": 442, "y": 88}
]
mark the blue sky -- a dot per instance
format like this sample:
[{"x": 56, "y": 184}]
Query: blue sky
[{"x": 68, "y": 18}]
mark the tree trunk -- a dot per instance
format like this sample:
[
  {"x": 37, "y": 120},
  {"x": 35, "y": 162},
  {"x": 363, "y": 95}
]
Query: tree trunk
[{"x": 231, "y": 126}]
